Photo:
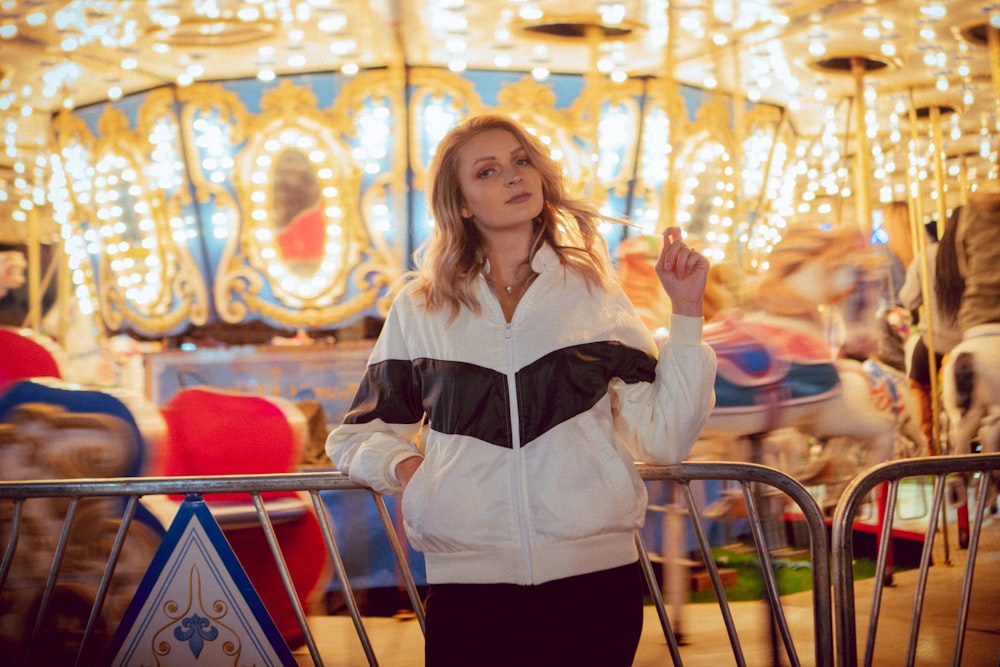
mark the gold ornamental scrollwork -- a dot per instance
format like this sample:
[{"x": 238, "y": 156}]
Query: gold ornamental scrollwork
[
  {"x": 303, "y": 255},
  {"x": 534, "y": 105},
  {"x": 438, "y": 100},
  {"x": 130, "y": 196},
  {"x": 608, "y": 113}
]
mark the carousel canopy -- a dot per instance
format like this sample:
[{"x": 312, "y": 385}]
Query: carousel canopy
[
  {"x": 59, "y": 54},
  {"x": 805, "y": 57},
  {"x": 159, "y": 139}
]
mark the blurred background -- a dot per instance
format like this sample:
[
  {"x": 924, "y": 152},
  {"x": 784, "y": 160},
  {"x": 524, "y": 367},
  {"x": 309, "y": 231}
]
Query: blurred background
[{"x": 257, "y": 167}]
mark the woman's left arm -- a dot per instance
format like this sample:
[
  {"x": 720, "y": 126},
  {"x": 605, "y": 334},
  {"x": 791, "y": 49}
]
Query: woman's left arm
[{"x": 660, "y": 421}]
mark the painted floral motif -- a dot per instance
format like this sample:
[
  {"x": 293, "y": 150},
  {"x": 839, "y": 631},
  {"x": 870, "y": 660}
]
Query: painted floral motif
[{"x": 196, "y": 630}]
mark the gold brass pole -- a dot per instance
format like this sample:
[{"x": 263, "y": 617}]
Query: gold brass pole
[
  {"x": 917, "y": 234},
  {"x": 862, "y": 166},
  {"x": 925, "y": 288},
  {"x": 668, "y": 198},
  {"x": 993, "y": 41},
  {"x": 739, "y": 157},
  {"x": 963, "y": 183},
  {"x": 34, "y": 320},
  {"x": 936, "y": 138},
  {"x": 65, "y": 292}
]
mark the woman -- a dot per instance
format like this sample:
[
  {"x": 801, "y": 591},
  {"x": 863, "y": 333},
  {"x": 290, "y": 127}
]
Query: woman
[
  {"x": 939, "y": 321},
  {"x": 536, "y": 386}
]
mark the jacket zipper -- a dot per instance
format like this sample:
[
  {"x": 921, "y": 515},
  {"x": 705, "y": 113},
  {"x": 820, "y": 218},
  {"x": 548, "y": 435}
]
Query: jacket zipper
[{"x": 520, "y": 491}]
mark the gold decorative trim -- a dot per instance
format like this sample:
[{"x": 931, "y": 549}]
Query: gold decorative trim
[{"x": 147, "y": 278}]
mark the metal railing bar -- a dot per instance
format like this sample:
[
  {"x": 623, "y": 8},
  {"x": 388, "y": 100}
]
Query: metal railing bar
[
  {"x": 775, "y": 609},
  {"x": 341, "y": 573},
  {"x": 397, "y": 549},
  {"x": 842, "y": 548},
  {"x": 890, "y": 489},
  {"x": 15, "y": 534},
  {"x": 657, "y": 595},
  {"x": 813, "y": 515},
  {"x": 157, "y": 486},
  {"x": 286, "y": 577},
  {"x": 923, "y": 574},
  {"x": 316, "y": 482},
  {"x": 109, "y": 569},
  {"x": 50, "y": 582},
  {"x": 963, "y": 618},
  {"x": 713, "y": 573}
]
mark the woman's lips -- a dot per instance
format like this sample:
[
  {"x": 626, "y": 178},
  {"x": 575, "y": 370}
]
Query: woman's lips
[{"x": 517, "y": 199}]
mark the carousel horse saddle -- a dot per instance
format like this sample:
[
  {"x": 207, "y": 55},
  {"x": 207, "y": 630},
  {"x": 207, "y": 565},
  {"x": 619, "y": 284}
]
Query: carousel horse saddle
[{"x": 760, "y": 364}]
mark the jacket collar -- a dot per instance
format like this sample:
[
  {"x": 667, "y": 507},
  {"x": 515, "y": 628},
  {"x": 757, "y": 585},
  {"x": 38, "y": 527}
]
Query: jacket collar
[{"x": 545, "y": 260}]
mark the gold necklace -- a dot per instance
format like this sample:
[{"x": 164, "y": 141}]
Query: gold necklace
[{"x": 518, "y": 286}]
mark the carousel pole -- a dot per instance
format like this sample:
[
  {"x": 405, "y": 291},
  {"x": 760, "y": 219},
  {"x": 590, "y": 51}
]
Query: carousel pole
[
  {"x": 862, "y": 154},
  {"x": 592, "y": 79},
  {"x": 914, "y": 197},
  {"x": 940, "y": 188},
  {"x": 64, "y": 292},
  {"x": 676, "y": 574},
  {"x": 668, "y": 198},
  {"x": 34, "y": 319},
  {"x": 963, "y": 182},
  {"x": 993, "y": 42},
  {"x": 740, "y": 210},
  {"x": 863, "y": 209},
  {"x": 942, "y": 215},
  {"x": 925, "y": 286}
]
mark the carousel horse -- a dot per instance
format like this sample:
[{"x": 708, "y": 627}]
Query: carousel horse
[
  {"x": 50, "y": 429},
  {"x": 780, "y": 373},
  {"x": 970, "y": 398},
  {"x": 779, "y": 352}
]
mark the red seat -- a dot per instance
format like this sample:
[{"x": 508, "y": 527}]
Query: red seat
[
  {"x": 212, "y": 432},
  {"x": 24, "y": 358}
]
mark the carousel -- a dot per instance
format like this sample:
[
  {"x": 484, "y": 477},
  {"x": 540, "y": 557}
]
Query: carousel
[{"x": 205, "y": 209}]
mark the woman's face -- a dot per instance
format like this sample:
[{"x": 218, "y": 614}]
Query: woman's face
[{"x": 501, "y": 189}]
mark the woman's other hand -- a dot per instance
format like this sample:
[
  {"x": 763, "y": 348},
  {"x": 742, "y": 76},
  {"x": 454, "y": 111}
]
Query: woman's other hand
[{"x": 683, "y": 272}]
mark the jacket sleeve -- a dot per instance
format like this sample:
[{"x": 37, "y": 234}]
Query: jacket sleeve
[
  {"x": 910, "y": 294},
  {"x": 660, "y": 421},
  {"x": 383, "y": 426}
]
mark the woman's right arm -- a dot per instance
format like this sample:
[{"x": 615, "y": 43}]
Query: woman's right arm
[{"x": 382, "y": 428}]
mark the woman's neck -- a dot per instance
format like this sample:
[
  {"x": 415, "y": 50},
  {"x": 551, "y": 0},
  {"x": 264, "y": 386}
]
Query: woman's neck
[{"x": 509, "y": 258}]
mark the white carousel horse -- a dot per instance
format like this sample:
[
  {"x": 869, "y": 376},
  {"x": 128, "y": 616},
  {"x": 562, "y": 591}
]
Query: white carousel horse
[
  {"x": 970, "y": 391},
  {"x": 781, "y": 366},
  {"x": 970, "y": 398},
  {"x": 780, "y": 375},
  {"x": 779, "y": 357},
  {"x": 780, "y": 361}
]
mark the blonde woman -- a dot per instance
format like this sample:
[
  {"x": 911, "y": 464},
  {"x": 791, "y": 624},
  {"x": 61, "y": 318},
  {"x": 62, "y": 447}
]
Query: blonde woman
[{"x": 511, "y": 389}]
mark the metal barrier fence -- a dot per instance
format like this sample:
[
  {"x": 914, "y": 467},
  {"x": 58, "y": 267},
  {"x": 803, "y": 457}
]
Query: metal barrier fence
[
  {"x": 17, "y": 497},
  {"x": 72, "y": 496},
  {"x": 134, "y": 489},
  {"x": 757, "y": 484},
  {"x": 886, "y": 478}
]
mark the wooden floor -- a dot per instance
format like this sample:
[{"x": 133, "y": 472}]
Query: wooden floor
[{"x": 397, "y": 642}]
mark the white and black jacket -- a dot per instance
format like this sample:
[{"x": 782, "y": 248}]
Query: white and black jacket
[{"x": 533, "y": 426}]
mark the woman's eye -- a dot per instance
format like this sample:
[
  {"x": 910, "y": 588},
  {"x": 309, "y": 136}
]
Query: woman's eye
[
  {"x": 523, "y": 161},
  {"x": 486, "y": 172}
]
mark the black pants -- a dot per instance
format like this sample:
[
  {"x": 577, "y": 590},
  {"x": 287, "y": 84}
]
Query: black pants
[{"x": 591, "y": 619}]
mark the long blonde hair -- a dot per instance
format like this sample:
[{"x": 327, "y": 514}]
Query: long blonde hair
[{"x": 454, "y": 255}]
